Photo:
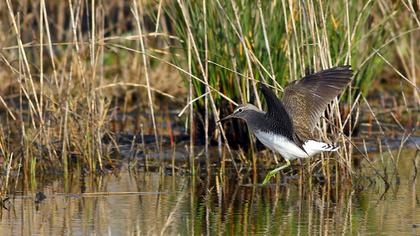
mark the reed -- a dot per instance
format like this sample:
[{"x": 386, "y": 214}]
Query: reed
[
  {"x": 241, "y": 42},
  {"x": 65, "y": 66}
]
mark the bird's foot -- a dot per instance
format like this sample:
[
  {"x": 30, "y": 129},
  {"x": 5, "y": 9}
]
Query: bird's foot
[
  {"x": 268, "y": 177},
  {"x": 274, "y": 172}
]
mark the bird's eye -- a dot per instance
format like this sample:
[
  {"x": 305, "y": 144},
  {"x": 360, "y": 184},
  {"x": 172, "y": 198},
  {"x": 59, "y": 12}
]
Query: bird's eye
[{"x": 240, "y": 110}]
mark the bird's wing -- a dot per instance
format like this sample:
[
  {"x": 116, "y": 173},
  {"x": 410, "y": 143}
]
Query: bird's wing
[
  {"x": 306, "y": 99},
  {"x": 279, "y": 118},
  {"x": 275, "y": 107}
]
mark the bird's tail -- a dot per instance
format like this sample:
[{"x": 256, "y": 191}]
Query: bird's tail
[
  {"x": 330, "y": 147},
  {"x": 313, "y": 147}
]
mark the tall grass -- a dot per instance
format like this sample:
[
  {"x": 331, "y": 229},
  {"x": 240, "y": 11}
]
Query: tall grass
[
  {"x": 237, "y": 43},
  {"x": 66, "y": 66},
  {"x": 60, "y": 86}
]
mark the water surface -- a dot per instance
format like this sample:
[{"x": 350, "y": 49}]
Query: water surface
[{"x": 128, "y": 203}]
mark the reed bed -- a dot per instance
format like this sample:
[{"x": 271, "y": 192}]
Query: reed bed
[
  {"x": 69, "y": 67},
  {"x": 234, "y": 44}
]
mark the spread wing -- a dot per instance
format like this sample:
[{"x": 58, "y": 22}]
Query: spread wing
[
  {"x": 306, "y": 99},
  {"x": 280, "y": 121},
  {"x": 275, "y": 107}
]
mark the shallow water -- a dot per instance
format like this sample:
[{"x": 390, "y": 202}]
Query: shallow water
[{"x": 127, "y": 203}]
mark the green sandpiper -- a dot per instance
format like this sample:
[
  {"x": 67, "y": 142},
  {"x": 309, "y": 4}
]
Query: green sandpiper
[{"x": 288, "y": 124}]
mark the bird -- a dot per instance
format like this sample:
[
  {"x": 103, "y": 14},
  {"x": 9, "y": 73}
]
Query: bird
[{"x": 288, "y": 124}]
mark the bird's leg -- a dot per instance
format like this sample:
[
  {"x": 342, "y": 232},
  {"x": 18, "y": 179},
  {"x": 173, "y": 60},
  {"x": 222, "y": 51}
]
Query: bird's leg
[
  {"x": 275, "y": 158},
  {"x": 274, "y": 172}
]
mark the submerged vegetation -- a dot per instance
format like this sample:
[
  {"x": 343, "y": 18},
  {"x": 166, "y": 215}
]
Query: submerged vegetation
[{"x": 78, "y": 75}]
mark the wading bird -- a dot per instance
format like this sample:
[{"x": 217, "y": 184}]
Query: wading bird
[{"x": 288, "y": 124}]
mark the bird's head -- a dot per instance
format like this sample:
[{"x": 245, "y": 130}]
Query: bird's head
[{"x": 242, "y": 111}]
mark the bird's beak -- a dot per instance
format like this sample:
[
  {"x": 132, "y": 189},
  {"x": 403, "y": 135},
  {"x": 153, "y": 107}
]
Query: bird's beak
[{"x": 226, "y": 118}]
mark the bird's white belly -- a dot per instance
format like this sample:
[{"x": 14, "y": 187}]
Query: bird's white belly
[{"x": 288, "y": 149}]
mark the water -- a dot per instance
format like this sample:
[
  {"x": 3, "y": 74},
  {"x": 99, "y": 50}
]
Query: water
[{"x": 128, "y": 203}]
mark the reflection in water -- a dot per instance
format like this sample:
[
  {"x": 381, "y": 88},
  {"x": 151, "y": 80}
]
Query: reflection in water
[{"x": 128, "y": 203}]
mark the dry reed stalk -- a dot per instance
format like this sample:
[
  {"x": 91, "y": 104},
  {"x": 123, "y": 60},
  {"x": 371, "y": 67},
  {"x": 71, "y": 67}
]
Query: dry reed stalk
[
  {"x": 146, "y": 71},
  {"x": 191, "y": 110},
  {"x": 9, "y": 111},
  {"x": 158, "y": 16},
  {"x": 49, "y": 43},
  {"x": 267, "y": 45},
  {"x": 146, "y": 156},
  {"x": 96, "y": 106},
  {"x": 41, "y": 60},
  {"x": 206, "y": 98},
  {"x": 8, "y": 169}
]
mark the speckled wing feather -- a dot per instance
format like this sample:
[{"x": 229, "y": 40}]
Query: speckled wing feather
[{"x": 306, "y": 99}]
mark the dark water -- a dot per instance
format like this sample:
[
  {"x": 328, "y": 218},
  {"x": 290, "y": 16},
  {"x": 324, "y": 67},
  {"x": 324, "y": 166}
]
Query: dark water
[{"x": 127, "y": 203}]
